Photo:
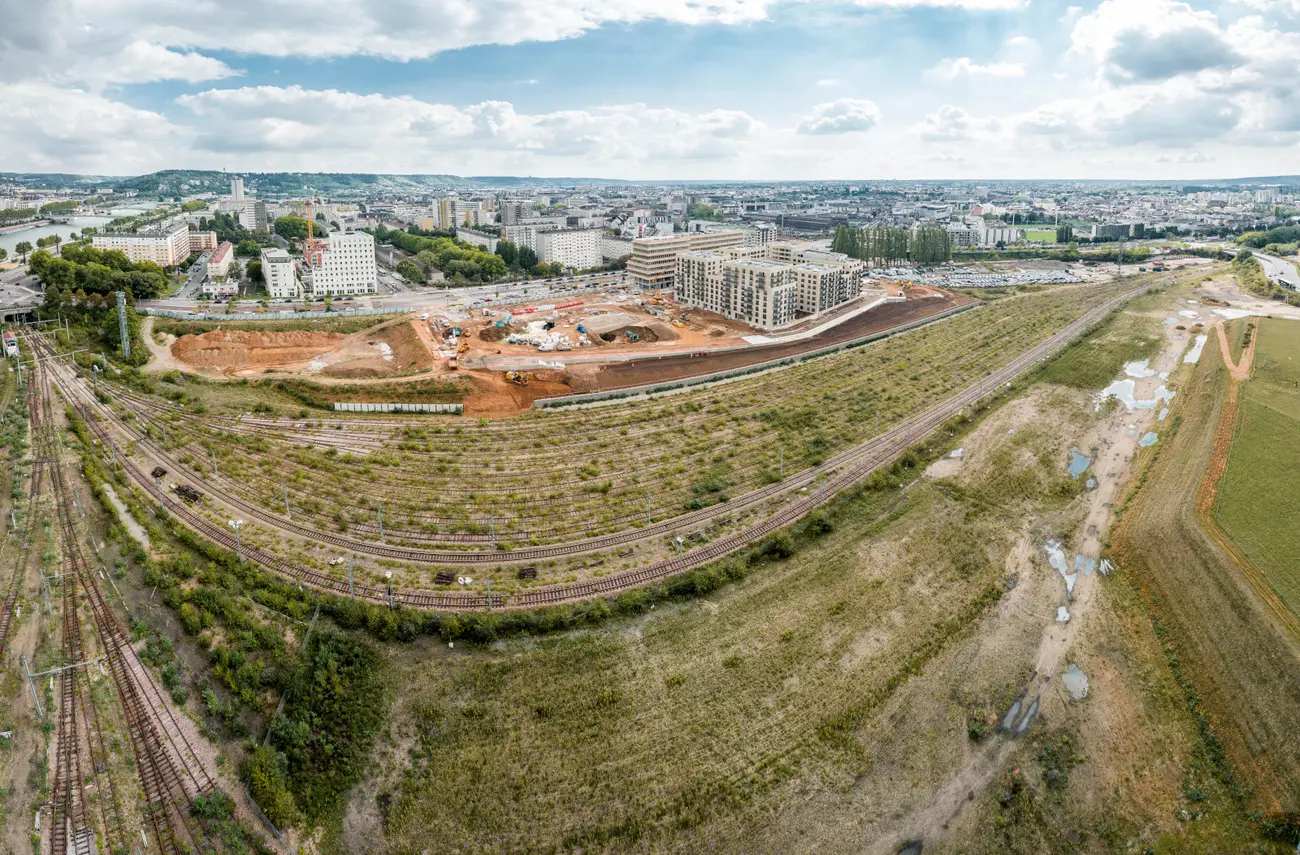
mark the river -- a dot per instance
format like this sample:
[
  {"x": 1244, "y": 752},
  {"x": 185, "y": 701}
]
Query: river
[{"x": 9, "y": 240}]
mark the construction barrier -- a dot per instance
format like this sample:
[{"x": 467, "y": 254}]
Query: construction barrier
[
  {"x": 447, "y": 409},
  {"x": 669, "y": 385}
]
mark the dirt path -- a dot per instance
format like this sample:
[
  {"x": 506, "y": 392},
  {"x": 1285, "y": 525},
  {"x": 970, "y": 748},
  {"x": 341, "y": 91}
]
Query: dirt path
[
  {"x": 1241, "y": 370},
  {"x": 1116, "y": 440},
  {"x": 161, "y": 358}
]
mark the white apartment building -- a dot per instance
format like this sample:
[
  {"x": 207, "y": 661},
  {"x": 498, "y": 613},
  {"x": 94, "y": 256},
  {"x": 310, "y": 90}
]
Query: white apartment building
[
  {"x": 237, "y": 189},
  {"x": 203, "y": 242},
  {"x": 278, "y": 271},
  {"x": 822, "y": 287},
  {"x": 576, "y": 248},
  {"x": 342, "y": 265},
  {"x": 219, "y": 261},
  {"x": 165, "y": 245},
  {"x": 483, "y": 240},
  {"x": 613, "y": 248}
]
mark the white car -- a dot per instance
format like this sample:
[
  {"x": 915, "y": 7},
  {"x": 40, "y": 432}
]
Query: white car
[{"x": 424, "y": 317}]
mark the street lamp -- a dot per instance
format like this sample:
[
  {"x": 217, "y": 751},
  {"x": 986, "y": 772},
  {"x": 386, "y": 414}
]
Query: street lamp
[{"x": 239, "y": 544}]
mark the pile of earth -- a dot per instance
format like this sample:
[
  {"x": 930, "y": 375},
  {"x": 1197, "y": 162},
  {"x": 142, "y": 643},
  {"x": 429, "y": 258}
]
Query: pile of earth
[
  {"x": 390, "y": 350},
  {"x": 495, "y": 333},
  {"x": 236, "y": 349}
]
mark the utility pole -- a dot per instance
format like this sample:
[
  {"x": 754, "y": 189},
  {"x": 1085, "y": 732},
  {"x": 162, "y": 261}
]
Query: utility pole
[
  {"x": 239, "y": 543},
  {"x": 121, "y": 325},
  {"x": 680, "y": 557},
  {"x": 492, "y": 528},
  {"x": 781, "y": 464},
  {"x": 489, "y": 594},
  {"x": 648, "y": 518},
  {"x": 216, "y": 476},
  {"x": 379, "y": 509},
  {"x": 286, "y": 501},
  {"x": 352, "y": 591}
]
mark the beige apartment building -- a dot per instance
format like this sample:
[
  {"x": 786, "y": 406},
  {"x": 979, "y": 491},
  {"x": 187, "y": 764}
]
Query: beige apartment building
[
  {"x": 165, "y": 246},
  {"x": 654, "y": 259},
  {"x": 746, "y": 284}
]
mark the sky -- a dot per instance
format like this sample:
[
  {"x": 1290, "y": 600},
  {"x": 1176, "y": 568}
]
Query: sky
[{"x": 655, "y": 89}]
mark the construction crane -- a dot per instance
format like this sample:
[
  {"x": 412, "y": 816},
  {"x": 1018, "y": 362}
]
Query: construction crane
[{"x": 310, "y": 252}]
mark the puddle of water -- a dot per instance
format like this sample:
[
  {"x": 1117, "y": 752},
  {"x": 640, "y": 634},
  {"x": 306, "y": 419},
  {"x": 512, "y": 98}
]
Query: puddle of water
[
  {"x": 1139, "y": 369},
  {"x": 1105, "y": 567},
  {"x": 1056, "y": 558},
  {"x": 1194, "y": 355},
  {"x": 1169, "y": 322},
  {"x": 1078, "y": 464},
  {"x": 1236, "y": 314},
  {"x": 1010, "y": 718},
  {"x": 1028, "y": 719},
  {"x": 1163, "y": 412},
  {"x": 1148, "y": 440},
  {"x": 1076, "y": 682},
  {"x": 1187, "y": 313},
  {"x": 1091, "y": 483},
  {"x": 1062, "y": 614},
  {"x": 958, "y": 454},
  {"x": 1011, "y": 432}
]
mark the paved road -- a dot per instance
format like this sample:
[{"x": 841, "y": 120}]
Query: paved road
[
  {"x": 433, "y": 298},
  {"x": 1279, "y": 270}
]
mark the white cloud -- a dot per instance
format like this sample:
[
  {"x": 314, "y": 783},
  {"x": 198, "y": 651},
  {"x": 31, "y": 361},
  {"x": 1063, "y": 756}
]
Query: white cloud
[
  {"x": 841, "y": 116},
  {"x": 331, "y": 129},
  {"x": 952, "y": 124},
  {"x": 142, "y": 62},
  {"x": 951, "y": 69},
  {"x": 51, "y": 129},
  {"x": 1137, "y": 41},
  {"x": 828, "y": 81},
  {"x": 971, "y": 5}
]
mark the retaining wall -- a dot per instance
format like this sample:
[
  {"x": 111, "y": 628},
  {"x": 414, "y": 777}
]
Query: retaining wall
[
  {"x": 268, "y": 316},
  {"x": 588, "y": 397}
]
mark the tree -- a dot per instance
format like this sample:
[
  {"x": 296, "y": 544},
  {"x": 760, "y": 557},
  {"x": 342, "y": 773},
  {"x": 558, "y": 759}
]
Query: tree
[
  {"x": 235, "y": 270},
  {"x": 4, "y": 253},
  {"x": 508, "y": 251},
  {"x": 296, "y": 228},
  {"x": 527, "y": 257},
  {"x": 1064, "y": 233},
  {"x": 247, "y": 248},
  {"x": 23, "y": 247},
  {"x": 410, "y": 271},
  {"x": 254, "y": 270}
]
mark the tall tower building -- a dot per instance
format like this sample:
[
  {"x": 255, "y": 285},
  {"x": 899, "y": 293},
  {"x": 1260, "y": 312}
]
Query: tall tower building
[{"x": 237, "y": 189}]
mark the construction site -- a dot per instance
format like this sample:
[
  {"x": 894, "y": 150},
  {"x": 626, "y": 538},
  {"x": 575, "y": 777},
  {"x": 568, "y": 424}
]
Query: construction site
[{"x": 513, "y": 354}]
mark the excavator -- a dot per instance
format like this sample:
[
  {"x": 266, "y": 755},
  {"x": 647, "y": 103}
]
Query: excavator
[{"x": 519, "y": 378}]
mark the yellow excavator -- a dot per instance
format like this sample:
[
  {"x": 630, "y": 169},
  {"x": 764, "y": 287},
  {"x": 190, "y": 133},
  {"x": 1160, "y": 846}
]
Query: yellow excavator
[{"x": 519, "y": 378}]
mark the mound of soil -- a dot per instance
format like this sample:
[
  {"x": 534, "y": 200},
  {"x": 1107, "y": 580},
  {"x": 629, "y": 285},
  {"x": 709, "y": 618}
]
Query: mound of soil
[
  {"x": 395, "y": 349},
  {"x": 237, "y": 349},
  {"x": 495, "y": 333}
]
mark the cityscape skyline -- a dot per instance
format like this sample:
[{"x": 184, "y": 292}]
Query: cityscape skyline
[{"x": 691, "y": 90}]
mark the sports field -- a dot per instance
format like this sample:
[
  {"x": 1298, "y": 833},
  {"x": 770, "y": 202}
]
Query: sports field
[
  {"x": 1260, "y": 503},
  {"x": 1046, "y": 235}
]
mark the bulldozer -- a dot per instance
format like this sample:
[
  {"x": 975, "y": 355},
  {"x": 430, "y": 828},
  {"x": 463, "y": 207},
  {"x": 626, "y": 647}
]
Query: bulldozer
[{"x": 519, "y": 378}]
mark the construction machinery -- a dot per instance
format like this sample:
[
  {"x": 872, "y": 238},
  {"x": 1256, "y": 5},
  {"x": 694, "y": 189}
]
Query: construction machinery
[{"x": 519, "y": 378}]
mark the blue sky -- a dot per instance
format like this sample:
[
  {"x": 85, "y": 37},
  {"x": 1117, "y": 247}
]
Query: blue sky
[{"x": 655, "y": 89}]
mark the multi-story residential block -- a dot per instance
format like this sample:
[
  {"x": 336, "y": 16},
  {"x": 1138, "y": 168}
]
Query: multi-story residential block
[
  {"x": 252, "y": 215},
  {"x": 219, "y": 261},
  {"x": 203, "y": 241},
  {"x": 612, "y": 248},
  {"x": 822, "y": 287},
  {"x": 165, "y": 245},
  {"x": 480, "y": 239},
  {"x": 237, "y": 189},
  {"x": 654, "y": 260},
  {"x": 448, "y": 213},
  {"x": 426, "y": 224},
  {"x": 761, "y": 292},
  {"x": 576, "y": 248},
  {"x": 341, "y": 265},
  {"x": 278, "y": 271}
]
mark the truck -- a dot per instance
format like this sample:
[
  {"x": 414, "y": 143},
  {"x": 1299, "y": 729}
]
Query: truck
[{"x": 10, "y": 343}]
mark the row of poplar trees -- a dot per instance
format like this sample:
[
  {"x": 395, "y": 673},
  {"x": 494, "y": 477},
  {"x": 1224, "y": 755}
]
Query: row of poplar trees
[{"x": 888, "y": 246}]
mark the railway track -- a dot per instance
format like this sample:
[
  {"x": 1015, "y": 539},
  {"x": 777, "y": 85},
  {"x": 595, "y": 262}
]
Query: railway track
[
  {"x": 170, "y": 771},
  {"x": 20, "y": 566},
  {"x": 839, "y": 472}
]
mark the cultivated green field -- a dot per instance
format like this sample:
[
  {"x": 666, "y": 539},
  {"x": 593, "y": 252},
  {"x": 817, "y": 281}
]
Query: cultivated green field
[{"x": 1260, "y": 502}]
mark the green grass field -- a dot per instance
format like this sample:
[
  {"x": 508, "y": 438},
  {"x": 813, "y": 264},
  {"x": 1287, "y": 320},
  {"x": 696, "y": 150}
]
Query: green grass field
[
  {"x": 1046, "y": 235},
  {"x": 1259, "y": 502}
]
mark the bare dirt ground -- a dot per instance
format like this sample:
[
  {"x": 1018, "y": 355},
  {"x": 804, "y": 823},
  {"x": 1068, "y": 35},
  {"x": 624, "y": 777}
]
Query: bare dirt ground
[
  {"x": 1224, "y": 287},
  {"x": 1115, "y": 440},
  {"x": 390, "y": 349}
]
